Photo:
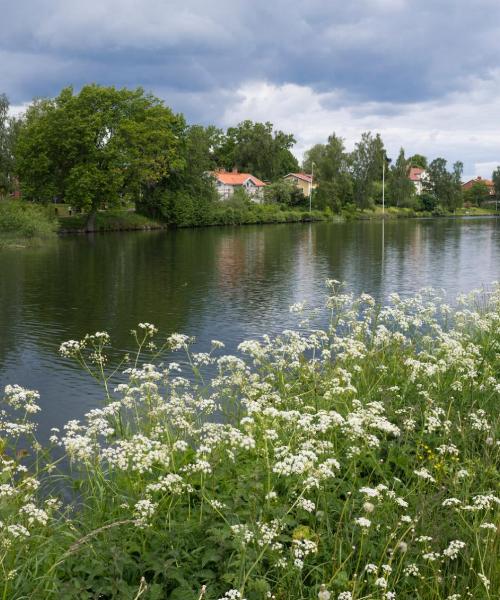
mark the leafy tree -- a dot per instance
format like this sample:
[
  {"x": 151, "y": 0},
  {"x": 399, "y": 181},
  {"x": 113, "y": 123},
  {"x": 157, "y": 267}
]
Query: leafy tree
[
  {"x": 443, "y": 185},
  {"x": 418, "y": 160},
  {"x": 257, "y": 149},
  {"x": 477, "y": 193},
  {"x": 332, "y": 174},
  {"x": 186, "y": 195},
  {"x": 314, "y": 155},
  {"x": 97, "y": 147},
  {"x": 496, "y": 182},
  {"x": 400, "y": 190},
  {"x": 8, "y": 132},
  {"x": 284, "y": 192},
  {"x": 367, "y": 160}
]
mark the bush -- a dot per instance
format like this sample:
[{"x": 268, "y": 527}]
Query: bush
[
  {"x": 359, "y": 460},
  {"x": 26, "y": 220}
]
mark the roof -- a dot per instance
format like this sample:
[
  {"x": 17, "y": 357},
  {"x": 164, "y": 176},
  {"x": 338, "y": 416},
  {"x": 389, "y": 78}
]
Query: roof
[
  {"x": 303, "y": 176},
  {"x": 471, "y": 182},
  {"x": 415, "y": 173},
  {"x": 237, "y": 178}
]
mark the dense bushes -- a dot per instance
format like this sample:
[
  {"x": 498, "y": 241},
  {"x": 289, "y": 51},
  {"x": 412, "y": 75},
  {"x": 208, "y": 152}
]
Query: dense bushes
[{"x": 25, "y": 220}]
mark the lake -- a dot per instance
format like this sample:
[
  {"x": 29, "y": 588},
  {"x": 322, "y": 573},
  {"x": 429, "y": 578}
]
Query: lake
[{"x": 229, "y": 284}]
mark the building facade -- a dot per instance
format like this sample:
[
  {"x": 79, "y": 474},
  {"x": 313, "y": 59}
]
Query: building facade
[
  {"x": 227, "y": 182},
  {"x": 418, "y": 176},
  {"x": 304, "y": 181}
]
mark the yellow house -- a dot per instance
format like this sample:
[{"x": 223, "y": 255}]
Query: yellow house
[{"x": 302, "y": 181}]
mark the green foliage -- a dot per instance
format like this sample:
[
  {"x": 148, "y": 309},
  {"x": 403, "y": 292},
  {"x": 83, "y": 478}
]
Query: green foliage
[
  {"x": 286, "y": 193},
  {"x": 366, "y": 167},
  {"x": 25, "y": 220},
  {"x": 477, "y": 194},
  {"x": 400, "y": 190},
  {"x": 109, "y": 220},
  {"x": 445, "y": 186},
  {"x": 428, "y": 201},
  {"x": 8, "y": 133},
  {"x": 96, "y": 147},
  {"x": 255, "y": 148},
  {"x": 331, "y": 173},
  {"x": 356, "y": 455},
  {"x": 496, "y": 182},
  {"x": 418, "y": 160}
]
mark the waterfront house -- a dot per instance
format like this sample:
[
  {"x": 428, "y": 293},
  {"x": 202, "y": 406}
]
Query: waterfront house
[
  {"x": 228, "y": 181},
  {"x": 489, "y": 184},
  {"x": 304, "y": 181},
  {"x": 418, "y": 176}
]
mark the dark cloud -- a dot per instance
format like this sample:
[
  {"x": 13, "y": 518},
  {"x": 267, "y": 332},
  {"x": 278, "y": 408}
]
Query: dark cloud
[
  {"x": 425, "y": 74},
  {"x": 197, "y": 53}
]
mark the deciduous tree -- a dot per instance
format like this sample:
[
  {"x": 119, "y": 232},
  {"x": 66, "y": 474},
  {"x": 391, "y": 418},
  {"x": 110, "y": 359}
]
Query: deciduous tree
[{"x": 95, "y": 148}]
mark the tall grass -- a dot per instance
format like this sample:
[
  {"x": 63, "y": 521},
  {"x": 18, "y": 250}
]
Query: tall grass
[
  {"x": 357, "y": 461},
  {"x": 25, "y": 220}
]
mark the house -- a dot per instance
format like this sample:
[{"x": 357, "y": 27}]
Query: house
[
  {"x": 227, "y": 181},
  {"x": 303, "y": 181},
  {"x": 418, "y": 176},
  {"x": 488, "y": 182}
]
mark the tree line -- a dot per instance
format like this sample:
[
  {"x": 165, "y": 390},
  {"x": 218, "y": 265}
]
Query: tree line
[{"x": 107, "y": 147}]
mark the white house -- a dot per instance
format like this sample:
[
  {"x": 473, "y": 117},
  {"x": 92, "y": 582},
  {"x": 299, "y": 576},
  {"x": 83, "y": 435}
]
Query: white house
[
  {"x": 227, "y": 181},
  {"x": 418, "y": 176}
]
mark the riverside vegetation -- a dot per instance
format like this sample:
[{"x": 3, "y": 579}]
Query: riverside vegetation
[
  {"x": 354, "y": 461},
  {"x": 104, "y": 148}
]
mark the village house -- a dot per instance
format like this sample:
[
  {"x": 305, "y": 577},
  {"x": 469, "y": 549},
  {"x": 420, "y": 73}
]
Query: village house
[
  {"x": 302, "y": 181},
  {"x": 490, "y": 185},
  {"x": 418, "y": 176},
  {"x": 228, "y": 181}
]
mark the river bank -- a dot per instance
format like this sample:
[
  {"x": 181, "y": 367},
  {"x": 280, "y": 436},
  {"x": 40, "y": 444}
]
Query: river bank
[
  {"x": 26, "y": 223},
  {"x": 367, "y": 472}
]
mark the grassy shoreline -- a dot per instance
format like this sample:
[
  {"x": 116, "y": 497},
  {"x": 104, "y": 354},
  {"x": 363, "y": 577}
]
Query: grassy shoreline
[{"x": 23, "y": 223}]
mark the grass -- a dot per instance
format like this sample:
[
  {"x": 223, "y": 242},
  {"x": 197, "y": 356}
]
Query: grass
[
  {"x": 353, "y": 460},
  {"x": 110, "y": 220},
  {"x": 24, "y": 221},
  {"x": 394, "y": 212}
]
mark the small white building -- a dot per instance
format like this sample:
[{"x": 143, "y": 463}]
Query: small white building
[
  {"x": 227, "y": 181},
  {"x": 418, "y": 176}
]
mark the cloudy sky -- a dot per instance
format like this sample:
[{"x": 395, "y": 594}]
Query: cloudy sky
[{"x": 425, "y": 74}]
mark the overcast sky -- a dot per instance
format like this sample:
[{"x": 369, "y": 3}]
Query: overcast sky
[{"x": 425, "y": 74}]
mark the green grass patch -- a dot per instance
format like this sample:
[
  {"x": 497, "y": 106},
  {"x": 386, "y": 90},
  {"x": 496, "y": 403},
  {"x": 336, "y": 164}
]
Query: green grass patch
[
  {"x": 110, "y": 220},
  {"x": 25, "y": 221}
]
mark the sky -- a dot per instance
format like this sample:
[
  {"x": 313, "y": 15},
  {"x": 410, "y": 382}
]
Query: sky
[{"x": 424, "y": 74}]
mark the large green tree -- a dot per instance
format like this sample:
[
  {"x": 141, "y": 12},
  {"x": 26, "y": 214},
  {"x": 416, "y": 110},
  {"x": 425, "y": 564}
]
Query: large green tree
[
  {"x": 187, "y": 194},
  {"x": 400, "y": 190},
  {"x": 258, "y": 149},
  {"x": 331, "y": 169},
  {"x": 366, "y": 167},
  {"x": 8, "y": 132},
  {"x": 496, "y": 182},
  {"x": 98, "y": 146},
  {"x": 444, "y": 185}
]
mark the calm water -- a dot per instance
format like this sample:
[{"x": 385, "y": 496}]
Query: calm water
[{"x": 223, "y": 283}]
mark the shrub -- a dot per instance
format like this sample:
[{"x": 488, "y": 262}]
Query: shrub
[{"x": 26, "y": 220}]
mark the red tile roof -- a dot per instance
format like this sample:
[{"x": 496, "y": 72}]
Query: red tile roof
[
  {"x": 237, "y": 178},
  {"x": 303, "y": 176},
  {"x": 415, "y": 173},
  {"x": 471, "y": 182}
]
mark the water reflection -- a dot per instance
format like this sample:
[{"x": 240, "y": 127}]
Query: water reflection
[{"x": 224, "y": 283}]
